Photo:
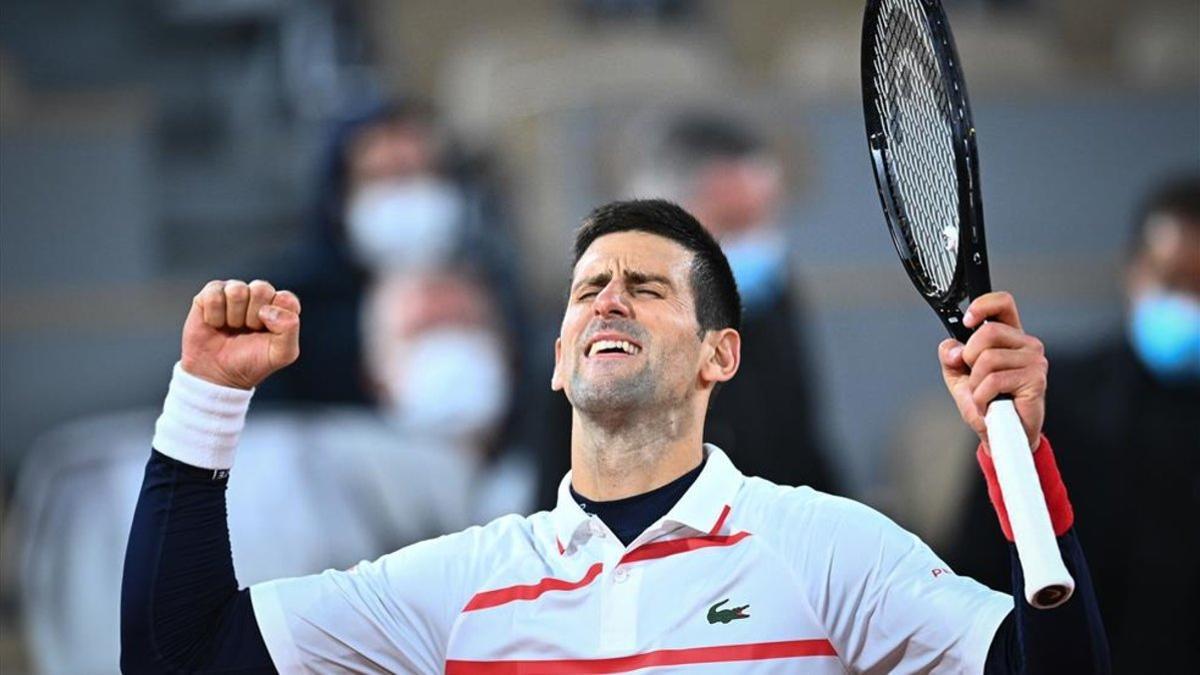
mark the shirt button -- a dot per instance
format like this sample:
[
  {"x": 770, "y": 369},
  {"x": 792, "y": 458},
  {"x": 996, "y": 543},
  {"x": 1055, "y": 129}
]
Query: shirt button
[{"x": 620, "y": 575}]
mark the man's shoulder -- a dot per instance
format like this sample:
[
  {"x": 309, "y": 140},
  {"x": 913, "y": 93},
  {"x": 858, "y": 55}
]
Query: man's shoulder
[
  {"x": 803, "y": 511},
  {"x": 499, "y": 538},
  {"x": 764, "y": 493}
]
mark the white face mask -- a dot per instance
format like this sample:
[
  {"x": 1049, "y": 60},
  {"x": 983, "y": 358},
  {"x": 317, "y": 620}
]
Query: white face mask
[
  {"x": 404, "y": 224},
  {"x": 451, "y": 383}
]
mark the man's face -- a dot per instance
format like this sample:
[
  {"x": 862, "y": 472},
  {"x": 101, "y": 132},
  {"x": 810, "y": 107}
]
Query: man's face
[
  {"x": 437, "y": 356},
  {"x": 629, "y": 339},
  {"x": 1169, "y": 260},
  {"x": 390, "y": 151},
  {"x": 737, "y": 195}
]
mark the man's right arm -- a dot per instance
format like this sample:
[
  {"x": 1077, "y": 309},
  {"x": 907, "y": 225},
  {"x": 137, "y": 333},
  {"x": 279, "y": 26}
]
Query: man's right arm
[{"x": 181, "y": 610}]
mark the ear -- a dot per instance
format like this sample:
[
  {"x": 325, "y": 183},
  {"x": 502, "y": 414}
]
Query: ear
[
  {"x": 556, "y": 379},
  {"x": 724, "y": 356}
]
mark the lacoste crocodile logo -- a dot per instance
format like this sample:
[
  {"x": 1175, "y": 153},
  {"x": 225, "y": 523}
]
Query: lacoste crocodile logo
[{"x": 726, "y": 615}]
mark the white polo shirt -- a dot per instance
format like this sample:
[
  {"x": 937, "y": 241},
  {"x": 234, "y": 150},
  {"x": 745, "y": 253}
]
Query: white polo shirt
[{"x": 740, "y": 576}]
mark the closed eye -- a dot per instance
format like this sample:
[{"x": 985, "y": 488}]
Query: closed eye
[{"x": 650, "y": 292}]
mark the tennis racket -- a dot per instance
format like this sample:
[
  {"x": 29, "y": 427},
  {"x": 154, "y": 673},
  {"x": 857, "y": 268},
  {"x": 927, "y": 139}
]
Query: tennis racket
[{"x": 922, "y": 143}]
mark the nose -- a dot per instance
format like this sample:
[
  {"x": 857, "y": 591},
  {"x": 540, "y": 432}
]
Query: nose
[{"x": 612, "y": 301}]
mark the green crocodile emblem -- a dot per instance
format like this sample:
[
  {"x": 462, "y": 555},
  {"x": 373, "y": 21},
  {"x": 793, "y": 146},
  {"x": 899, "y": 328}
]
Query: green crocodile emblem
[{"x": 726, "y": 615}]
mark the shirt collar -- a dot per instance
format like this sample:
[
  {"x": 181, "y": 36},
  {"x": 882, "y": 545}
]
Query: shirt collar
[
  {"x": 701, "y": 508},
  {"x": 568, "y": 517},
  {"x": 704, "y": 504}
]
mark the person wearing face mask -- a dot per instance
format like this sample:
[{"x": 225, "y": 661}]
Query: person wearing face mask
[
  {"x": 393, "y": 195},
  {"x": 400, "y": 213},
  {"x": 384, "y": 199},
  {"x": 443, "y": 373},
  {"x": 1129, "y": 408},
  {"x": 723, "y": 171}
]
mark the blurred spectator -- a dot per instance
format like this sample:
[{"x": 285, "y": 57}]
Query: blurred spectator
[
  {"x": 1123, "y": 420},
  {"x": 317, "y": 487},
  {"x": 442, "y": 366},
  {"x": 392, "y": 195},
  {"x": 727, "y": 176},
  {"x": 723, "y": 172}
]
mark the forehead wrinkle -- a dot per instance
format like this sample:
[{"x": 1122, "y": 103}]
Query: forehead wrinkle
[
  {"x": 597, "y": 279},
  {"x": 632, "y": 277},
  {"x": 631, "y": 263}
]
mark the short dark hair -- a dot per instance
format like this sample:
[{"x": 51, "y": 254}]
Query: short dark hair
[
  {"x": 1177, "y": 196},
  {"x": 717, "y": 302}
]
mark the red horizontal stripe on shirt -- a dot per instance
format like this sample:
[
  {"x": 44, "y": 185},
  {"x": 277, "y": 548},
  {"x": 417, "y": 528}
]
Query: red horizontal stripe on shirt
[
  {"x": 760, "y": 651},
  {"x": 502, "y": 596},
  {"x": 662, "y": 549}
]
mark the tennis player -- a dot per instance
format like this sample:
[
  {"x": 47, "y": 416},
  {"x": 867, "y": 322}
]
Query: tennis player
[{"x": 660, "y": 554}]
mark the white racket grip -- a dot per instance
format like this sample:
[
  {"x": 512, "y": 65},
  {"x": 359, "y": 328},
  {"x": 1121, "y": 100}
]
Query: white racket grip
[{"x": 1047, "y": 582}]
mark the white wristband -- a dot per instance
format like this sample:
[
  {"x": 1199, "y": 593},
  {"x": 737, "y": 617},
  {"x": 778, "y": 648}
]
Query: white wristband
[{"x": 201, "y": 421}]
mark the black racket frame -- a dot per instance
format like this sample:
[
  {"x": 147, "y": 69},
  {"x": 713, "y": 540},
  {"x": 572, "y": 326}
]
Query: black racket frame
[{"x": 971, "y": 275}]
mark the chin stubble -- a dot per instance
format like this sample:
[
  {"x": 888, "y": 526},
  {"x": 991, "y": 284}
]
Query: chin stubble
[{"x": 633, "y": 391}]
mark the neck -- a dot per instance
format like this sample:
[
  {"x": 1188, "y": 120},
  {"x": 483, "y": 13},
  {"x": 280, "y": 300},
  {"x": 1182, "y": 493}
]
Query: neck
[{"x": 614, "y": 459}]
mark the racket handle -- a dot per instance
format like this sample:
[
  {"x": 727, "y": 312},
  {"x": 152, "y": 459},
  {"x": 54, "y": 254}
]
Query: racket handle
[{"x": 1047, "y": 582}]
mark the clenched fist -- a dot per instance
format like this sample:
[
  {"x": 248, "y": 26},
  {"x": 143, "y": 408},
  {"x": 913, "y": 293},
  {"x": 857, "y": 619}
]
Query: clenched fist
[
  {"x": 237, "y": 334},
  {"x": 999, "y": 358}
]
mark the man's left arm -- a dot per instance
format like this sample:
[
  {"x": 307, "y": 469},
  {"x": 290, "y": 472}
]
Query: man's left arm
[
  {"x": 1001, "y": 359},
  {"x": 1067, "y": 638}
]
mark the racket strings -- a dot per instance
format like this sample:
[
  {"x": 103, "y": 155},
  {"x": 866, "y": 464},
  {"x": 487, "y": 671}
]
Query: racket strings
[{"x": 916, "y": 112}]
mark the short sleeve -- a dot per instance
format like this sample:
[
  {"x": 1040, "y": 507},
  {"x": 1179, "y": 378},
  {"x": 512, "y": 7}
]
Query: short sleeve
[
  {"x": 888, "y": 603},
  {"x": 390, "y": 615}
]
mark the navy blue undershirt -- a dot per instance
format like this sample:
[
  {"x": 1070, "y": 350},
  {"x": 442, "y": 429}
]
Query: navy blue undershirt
[
  {"x": 1067, "y": 639},
  {"x": 629, "y": 517},
  {"x": 182, "y": 610}
]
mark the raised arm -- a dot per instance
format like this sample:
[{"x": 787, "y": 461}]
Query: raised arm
[
  {"x": 1000, "y": 358},
  {"x": 181, "y": 609}
]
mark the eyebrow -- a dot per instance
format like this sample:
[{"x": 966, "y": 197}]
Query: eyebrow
[
  {"x": 637, "y": 278},
  {"x": 633, "y": 277}
]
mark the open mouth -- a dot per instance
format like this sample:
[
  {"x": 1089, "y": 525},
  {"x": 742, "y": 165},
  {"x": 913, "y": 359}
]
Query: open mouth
[{"x": 612, "y": 347}]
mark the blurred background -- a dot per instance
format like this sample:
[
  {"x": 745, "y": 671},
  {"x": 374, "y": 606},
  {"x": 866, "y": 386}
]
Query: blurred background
[{"x": 415, "y": 169}]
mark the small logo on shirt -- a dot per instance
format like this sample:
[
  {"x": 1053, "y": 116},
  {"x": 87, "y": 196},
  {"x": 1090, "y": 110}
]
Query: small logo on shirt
[{"x": 726, "y": 615}]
